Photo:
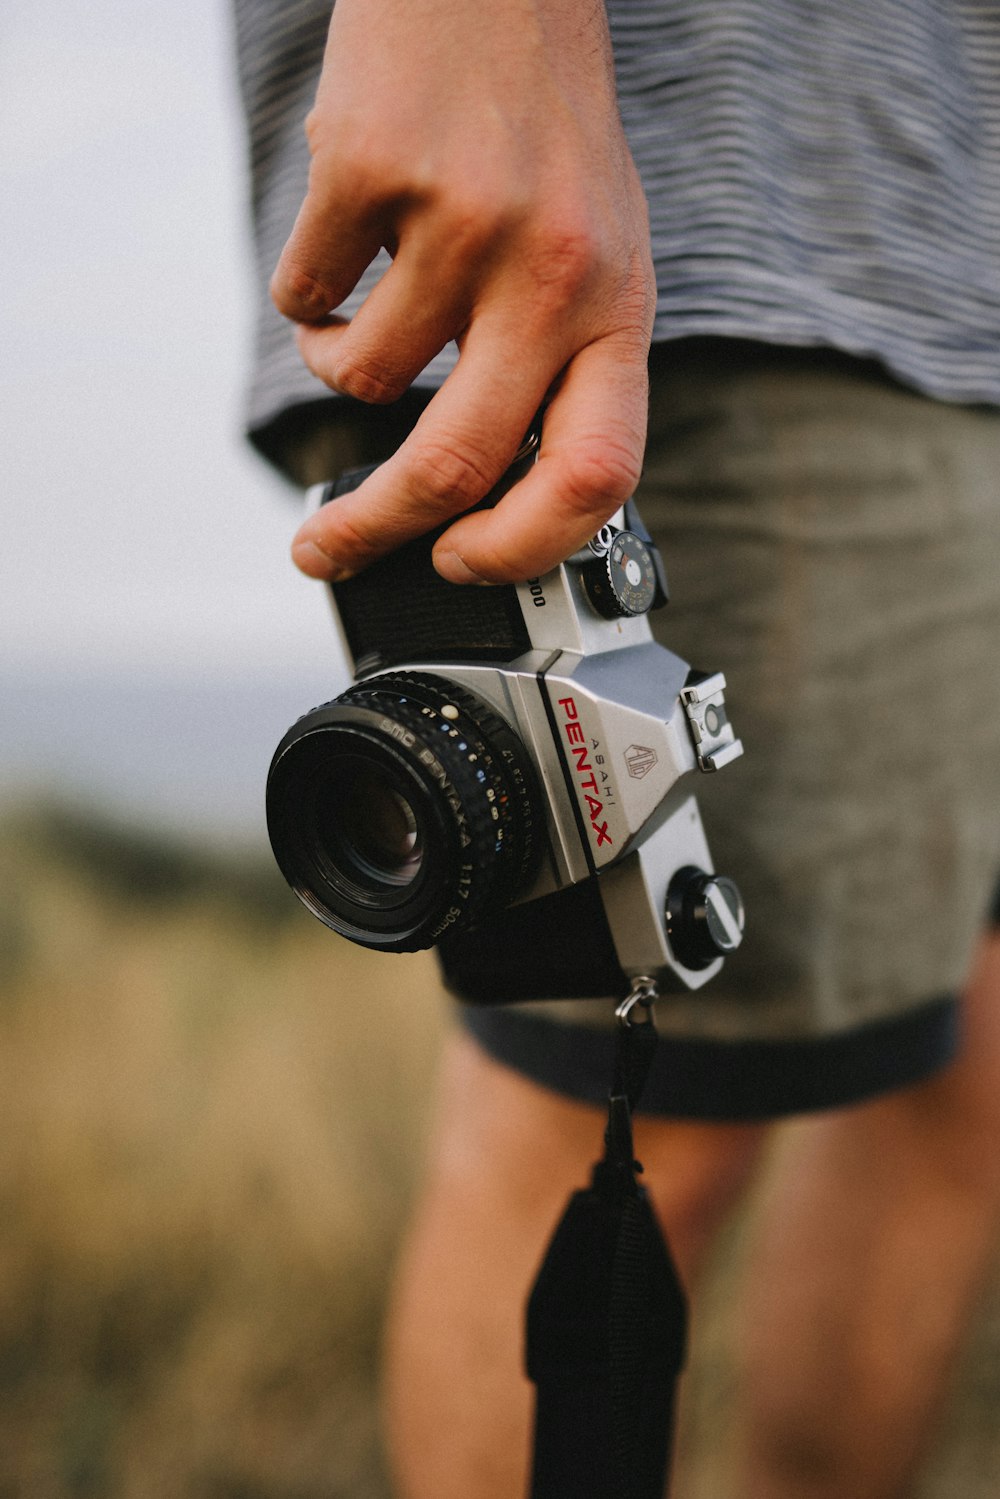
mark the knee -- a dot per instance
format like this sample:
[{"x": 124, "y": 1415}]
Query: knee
[
  {"x": 695, "y": 1175},
  {"x": 522, "y": 1149}
]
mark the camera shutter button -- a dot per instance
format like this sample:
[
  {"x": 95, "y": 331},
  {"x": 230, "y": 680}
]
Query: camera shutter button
[{"x": 704, "y": 916}]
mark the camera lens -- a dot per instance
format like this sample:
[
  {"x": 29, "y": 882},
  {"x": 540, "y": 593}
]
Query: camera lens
[
  {"x": 404, "y": 808},
  {"x": 365, "y": 824}
]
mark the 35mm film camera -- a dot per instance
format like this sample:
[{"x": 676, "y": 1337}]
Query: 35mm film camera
[{"x": 505, "y": 778}]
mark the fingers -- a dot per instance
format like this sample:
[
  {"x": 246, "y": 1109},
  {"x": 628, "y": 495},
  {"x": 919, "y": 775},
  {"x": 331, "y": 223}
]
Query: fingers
[
  {"x": 589, "y": 464},
  {"x": 461, "y": 446},
  {"x": 397, "y": 330}
]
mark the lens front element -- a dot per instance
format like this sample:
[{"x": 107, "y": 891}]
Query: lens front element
[
  {"x": 381, "y": 829},
  {"x": 365, "y": 825}
]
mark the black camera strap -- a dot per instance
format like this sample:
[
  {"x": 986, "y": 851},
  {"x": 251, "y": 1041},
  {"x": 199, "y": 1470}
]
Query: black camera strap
[{"x": 607, "y": 1316}]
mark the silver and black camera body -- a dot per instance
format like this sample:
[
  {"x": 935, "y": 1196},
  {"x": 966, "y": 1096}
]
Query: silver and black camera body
[{"x": 505, "y": 778}]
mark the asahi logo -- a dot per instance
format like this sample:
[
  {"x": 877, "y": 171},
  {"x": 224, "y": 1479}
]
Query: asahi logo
[{"x": 639, "y": 758}]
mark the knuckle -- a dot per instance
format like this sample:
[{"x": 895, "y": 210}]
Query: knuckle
[
  {"x": 366, "y": 382},
  {"x": 346, "y": 161},
  {"x": 470, "y": 228},
  {"x": 566, "y": 256},
  {"x": 351, "y": 158},
  {"x": 449, "y": 475},
  {"x": 350, "y": 544},
  {"x": 606, "y": 468},
  {"x": 475, "y": 215},
  {"x": 298, "y": 292},
  {"x": 364, "y": 175}
]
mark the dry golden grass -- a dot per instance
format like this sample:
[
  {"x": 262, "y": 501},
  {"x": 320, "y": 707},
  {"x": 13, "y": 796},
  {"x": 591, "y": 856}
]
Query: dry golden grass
[{"x": 212, "y": 1114}]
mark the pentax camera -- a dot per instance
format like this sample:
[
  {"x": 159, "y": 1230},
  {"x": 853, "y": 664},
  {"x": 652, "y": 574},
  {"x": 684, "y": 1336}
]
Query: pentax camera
[{"x": 506, "y": 777}]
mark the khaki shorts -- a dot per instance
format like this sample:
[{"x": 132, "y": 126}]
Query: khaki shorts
[{"x": 832, "y": 542}]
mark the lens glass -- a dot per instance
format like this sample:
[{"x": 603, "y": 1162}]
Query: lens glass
[
  {"x": 378, "y": 827},
  {"x": 366, "y": 833}
]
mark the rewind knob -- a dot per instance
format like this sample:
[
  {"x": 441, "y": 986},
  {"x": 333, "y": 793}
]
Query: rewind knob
[{"x": 704, "y": 916}]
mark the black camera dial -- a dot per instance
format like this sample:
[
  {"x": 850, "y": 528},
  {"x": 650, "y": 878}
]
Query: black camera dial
[{"x": 622, "y": 581}]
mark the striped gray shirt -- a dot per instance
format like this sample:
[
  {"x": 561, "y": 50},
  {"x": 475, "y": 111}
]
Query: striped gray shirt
[{"x": 818, "y": 172}]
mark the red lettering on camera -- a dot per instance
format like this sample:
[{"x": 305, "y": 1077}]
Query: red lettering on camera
[{"x": 585, "y": 771}]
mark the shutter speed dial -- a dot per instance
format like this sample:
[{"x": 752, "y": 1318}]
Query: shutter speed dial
[
  {"x": 704, "y": 916},
  {"x": 622, "y": 580}
]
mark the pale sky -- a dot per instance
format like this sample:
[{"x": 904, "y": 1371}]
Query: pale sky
[{"x": 138, "y": 532}]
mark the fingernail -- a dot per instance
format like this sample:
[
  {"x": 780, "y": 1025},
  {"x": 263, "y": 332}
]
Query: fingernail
[
  {"x": 315, "y": 563},
  {"x": 454, "y": 570}
]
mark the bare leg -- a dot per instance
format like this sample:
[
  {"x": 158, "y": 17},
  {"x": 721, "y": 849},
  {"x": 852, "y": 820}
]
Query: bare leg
[
  {"x": 506, "y": 1156},
  {"x": 877, "y": 1231}
]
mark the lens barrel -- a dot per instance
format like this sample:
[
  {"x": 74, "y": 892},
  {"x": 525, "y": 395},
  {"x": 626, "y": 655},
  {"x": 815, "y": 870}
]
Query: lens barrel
[{"x": 404, "y": 808}]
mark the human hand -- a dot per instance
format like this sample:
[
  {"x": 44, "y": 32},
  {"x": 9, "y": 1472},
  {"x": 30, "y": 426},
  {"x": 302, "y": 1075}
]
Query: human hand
[{"x": 480, "y": 142}]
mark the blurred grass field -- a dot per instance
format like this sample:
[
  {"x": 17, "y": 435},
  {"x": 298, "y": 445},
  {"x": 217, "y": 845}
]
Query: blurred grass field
[
  {"x": 211, "y": 1120},
  {"x": 212, "y": 1116}
]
